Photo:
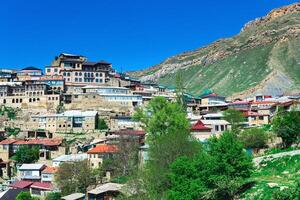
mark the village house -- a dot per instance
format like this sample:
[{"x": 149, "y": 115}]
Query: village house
[
  {"x": 49, "y": 148},
  {"x": 8, "y": 75},
  {"x": 48, "y": 174},
  {"x": 74, "y": 196},
  {"x": 97, "y": 154},
  {"x": 69, "y": 158},
  {"x": 123, "y": 122},
  {"x": 200, "y": 131},
  {"x": 41, "y": 189},
  {"x": 118, "y": 99},
  {"x": 72, "y": 121},
  {"x": 27, "y": 94},
  {"x": 31, "y": 172},
  {"x": 107, "y": 191},
  {"x": 29, "y": 73},
  {"x": 78, "y": 72}
]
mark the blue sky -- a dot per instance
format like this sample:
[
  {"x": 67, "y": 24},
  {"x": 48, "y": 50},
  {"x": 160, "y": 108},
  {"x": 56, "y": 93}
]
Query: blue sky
[{"x": 131, "y": 34}]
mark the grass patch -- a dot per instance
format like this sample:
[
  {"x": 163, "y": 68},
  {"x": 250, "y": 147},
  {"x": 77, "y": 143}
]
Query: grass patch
[{"x": 280, "y": 172}]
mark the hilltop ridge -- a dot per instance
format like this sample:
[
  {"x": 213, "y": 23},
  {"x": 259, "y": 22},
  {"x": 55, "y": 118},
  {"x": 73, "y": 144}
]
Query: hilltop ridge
[{"x": 263, "y": 58}]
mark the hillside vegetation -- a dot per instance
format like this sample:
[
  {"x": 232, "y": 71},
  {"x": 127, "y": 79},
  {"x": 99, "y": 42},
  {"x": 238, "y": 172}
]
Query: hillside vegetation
[
  {"x": 273, "y": 175},
  {"x": 263, "y": 57}
]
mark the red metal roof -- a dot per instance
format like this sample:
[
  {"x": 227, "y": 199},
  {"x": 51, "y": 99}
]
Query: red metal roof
[
  {"x": 251, "y": 113},
  {"x": 44, "y": 141},
  {"x": 50, "y": 170},
  {"x": 42, "y": 185},
  {"x": 129, "y": 132},
  {"x": 21, "y": 184},
  {"x": 103, "y": 148},
  {"x": 239, "y": 102},
  {"x": 263, "y": 102},
  {"x": 210, "y": 95},
  {"x": 8, "y": 141},
  {"x": 199, "y": 126}
]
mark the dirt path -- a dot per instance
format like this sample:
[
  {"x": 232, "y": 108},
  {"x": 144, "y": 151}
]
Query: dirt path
[{"x": 276, "y": 155}]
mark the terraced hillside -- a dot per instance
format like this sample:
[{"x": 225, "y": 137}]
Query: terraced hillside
[{"x": 263, "y": 57}]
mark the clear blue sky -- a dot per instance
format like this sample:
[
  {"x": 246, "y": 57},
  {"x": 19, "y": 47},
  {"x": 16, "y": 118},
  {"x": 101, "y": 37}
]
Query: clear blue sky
[{"x": 132, "y": 34}]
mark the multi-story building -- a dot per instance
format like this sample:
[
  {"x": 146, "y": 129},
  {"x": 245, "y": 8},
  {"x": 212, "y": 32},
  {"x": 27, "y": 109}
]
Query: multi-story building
[
  {"x": 77, "y": 72},
  {"x": 68, "y": 121},
  {"x": 117, "y": 99},
  {"x": 28, "y": 94},
  {"x": 7, "y": 75},
  {"x": 29, "y": 73}
]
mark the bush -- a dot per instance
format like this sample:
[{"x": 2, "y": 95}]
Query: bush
[
  {"x": 26, "y": 154},
  {"x": 102, "y": 124},
  {"x": 287, "y": 126},
  {"x": 25, "y": 196},
  {"x": 53, "y": 196},
  {"x": 254, "y": 138}
]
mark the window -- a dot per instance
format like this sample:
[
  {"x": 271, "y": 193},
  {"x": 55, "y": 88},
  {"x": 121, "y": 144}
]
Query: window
[
  {"x": 76, "y": 73},
  {"x": 64, "y": 74},
  {"x": 48, "y": 70},
  {"x": 261, "y": 117},
  {"x": 76, "y": 79},
  {"x": 217, "y": 128},
  {"x": 222, "y": 127},
  {"x": 55, "y": 70},
  {"x": 68, "y": 74}
]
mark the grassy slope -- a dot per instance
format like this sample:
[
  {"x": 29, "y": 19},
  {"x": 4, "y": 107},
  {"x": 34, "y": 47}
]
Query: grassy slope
[
  {"x": 282, "y": 171},
  {"x": 232, "y": 74}
]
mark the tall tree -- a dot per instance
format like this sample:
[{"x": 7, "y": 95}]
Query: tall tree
[
  {"x": 25, "y": 154},
  {"x": 234, "y": 117},
  {"x": 214, "y": 173},
  {"x": 180, "y": 89},
  {"x": 168, "y": 138},
  {"x": 74, "y": 177},
  {"x": 287, "y": 126},
  {"x": 254, "y": 138},
  {"x": 125, "y": 161}
]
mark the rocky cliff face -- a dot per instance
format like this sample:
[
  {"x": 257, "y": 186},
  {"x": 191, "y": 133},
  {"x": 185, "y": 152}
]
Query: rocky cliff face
[{"x": 263, "y": 57}]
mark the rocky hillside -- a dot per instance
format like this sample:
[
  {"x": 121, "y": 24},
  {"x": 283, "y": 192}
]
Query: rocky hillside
[{"x": 263, "y": 58}]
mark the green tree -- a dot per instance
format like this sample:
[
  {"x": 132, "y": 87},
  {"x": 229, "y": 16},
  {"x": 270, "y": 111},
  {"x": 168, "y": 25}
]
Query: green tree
[
  {"x": 74, "y": 177},
  {"x": 25, "y": 154},
  {"x": 12, "y": 131},
  {"x": 230, "y": 165},
  {"x": 287, "y": 126},
  {"x": 180, "y": 89},
  {"x": 254, "y": 138},
  {"x": 292, "y": 193},
  {"x": 25, "y": 196},
  {"x": 53, "y": 196},
  {"x": 217, "y": 172},
  {"x": 125, "y": 161},
  {"x": 101, "y": 125},
  {"x": 168, "y": 138},
  {"x": 234, "y": 117}
]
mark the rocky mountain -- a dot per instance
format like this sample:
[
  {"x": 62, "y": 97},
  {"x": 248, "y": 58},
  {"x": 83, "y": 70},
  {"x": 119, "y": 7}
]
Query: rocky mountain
[{"x": 263, "y": 58}]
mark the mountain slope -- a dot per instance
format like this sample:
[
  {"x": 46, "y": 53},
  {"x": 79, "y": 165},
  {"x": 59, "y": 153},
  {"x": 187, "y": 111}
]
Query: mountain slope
[{"x": 263, "y": 57}]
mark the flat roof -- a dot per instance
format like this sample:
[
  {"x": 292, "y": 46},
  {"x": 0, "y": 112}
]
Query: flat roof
[
  {"x": 71, "y": 157},
  {"x": 106, "y": 187},
  {"x": 31, "y": 166},
  {"x": 74, "y": 196}
]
